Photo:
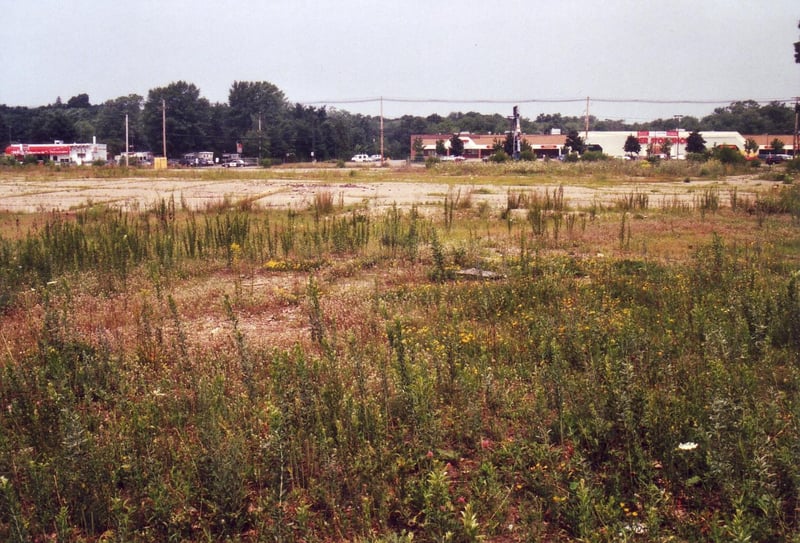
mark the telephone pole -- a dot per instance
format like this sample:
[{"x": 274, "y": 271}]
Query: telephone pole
[
  {"x": 586, "y": 127},
  {"x": 164, "y": 125},
  {"x": 796, "y": 138},
  {"x": 127, "y": 144}
]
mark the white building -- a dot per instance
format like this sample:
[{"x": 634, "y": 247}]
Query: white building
[
  {"x": 60, "y": 152},
  {"x": 613, "y": 143}
]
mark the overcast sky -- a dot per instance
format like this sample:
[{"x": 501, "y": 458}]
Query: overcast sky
[{"x": 546, "y": 56}]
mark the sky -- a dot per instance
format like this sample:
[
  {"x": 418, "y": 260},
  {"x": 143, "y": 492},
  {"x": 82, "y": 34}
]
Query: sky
[{"x": 636, "y": 60}]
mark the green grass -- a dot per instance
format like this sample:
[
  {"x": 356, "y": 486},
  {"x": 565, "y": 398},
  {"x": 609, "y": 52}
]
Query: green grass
[{"x": 625, "y": 378}]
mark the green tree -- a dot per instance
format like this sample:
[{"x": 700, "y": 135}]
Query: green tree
[
  {"x": 751, "y": 146},
  {"x": 110, "y": 124},
  {"x": 337, "y": 134},
  {"x": 79, "y": 101},
  {"x": 777, "y": 145},
  {"x": 508, "y": 146},
  {"x": 307, "y": 122},
  {"x": 52, "y": 124},
  {"x": 84, "y": 130},
  {"x": 441, "y": 150},
  {"x": 666, "y": 147},
  {"x": 574, "y": 142},
  {"x": 218, "y": 138},
  {"x": 187, "y": 118},
  {"x": 695, "y": 143},
  {"x": 456, "y": 146},
  {"x": 797, "y": 49},
  {"x": 632, "y": 145},
  {"x": 5, "y": 137},
  {"x": 750, "y": 117},
  {"x": 419, "y": 148},
  {"x": 399, "y": 131},
  {"x": 728, "y": 155},
  {"x": 258, "y": 117}
]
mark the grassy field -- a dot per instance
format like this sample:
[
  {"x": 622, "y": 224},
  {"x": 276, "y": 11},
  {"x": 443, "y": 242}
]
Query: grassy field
[{"x": 626, "y": 370}]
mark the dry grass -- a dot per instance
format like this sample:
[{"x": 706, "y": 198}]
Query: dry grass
[{"x": 295, "y": 357}]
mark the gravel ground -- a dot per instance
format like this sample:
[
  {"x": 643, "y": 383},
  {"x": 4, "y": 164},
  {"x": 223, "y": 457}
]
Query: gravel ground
[{"x": 26, "y": 196}]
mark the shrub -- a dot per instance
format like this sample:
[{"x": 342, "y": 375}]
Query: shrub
[
  {"x": 499, "y": 157},
  {"x": 432, "y": 161},
  {"x": 728, "y": 155},
  {"x": 697, "y": 157},
  {"x": 593, "y": 156}
]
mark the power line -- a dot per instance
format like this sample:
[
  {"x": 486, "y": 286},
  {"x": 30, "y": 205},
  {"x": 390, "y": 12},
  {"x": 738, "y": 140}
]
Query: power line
[{"x": 539, "y": 101}]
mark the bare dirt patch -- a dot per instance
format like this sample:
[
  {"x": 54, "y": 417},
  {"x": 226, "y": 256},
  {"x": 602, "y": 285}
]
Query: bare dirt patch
[
  {"x": 131, "y": 194},
  {"x": 271, "y": 307}
]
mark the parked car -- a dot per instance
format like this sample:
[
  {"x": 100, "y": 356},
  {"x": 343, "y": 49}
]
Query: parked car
[
  {"x": 375, "y": 158},
  {"x": 777, "y": 158},
  {"x": 452, "y": 158},
  {"x": 236, "y": 163},
  {"x": 360, "y": 158}
]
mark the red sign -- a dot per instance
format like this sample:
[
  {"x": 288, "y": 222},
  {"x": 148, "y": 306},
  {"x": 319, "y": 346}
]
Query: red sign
[{"x": 46, "y": 149}]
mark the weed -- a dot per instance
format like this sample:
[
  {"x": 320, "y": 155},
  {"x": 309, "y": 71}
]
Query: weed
[
  {"x": 323, "y": 203},
  {"x": 364, "y": 392},
  {"x": 635, "y": 200}
]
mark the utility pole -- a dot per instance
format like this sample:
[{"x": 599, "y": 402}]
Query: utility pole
[
  {"x": 516, "y": 133},
  {"x": 678, "y": 132},
  {"x": 127, "y": 144},
  {"x": 586, "y": 127},
  {"x": 796, "y": 138},
  {"x": 164, "y": 126},
  {"x": 382, "y": 130}
]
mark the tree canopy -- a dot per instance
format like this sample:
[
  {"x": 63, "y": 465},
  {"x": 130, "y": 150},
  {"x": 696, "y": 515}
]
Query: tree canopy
[
  {"x": 575, "y": 142},
  {"x": 456, "y": 146},
  {"x": 258, "y": 116},
  {"x": 695, "y": 143},
  {"x": 632, "y": 145}
]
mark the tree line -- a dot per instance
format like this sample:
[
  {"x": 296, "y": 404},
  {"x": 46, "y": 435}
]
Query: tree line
[{"x": 259, "y": 118}]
